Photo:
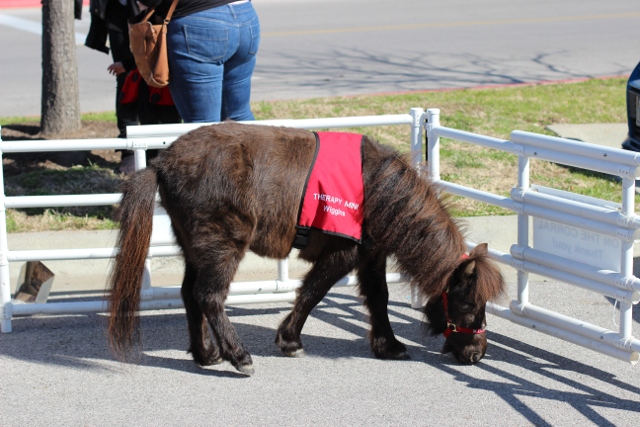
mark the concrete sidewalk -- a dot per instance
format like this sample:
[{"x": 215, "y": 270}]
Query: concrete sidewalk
[{"x": 607, "y": 134}]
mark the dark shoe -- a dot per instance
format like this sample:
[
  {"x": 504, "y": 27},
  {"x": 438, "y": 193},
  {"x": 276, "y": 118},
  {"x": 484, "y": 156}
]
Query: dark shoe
[
  {"x": 629, "y": 144},
  {"x": 127, "y": 165}
]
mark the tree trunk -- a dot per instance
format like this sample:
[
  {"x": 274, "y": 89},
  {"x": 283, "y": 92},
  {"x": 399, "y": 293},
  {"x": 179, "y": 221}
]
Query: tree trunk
[{"x": 60, "y": 95}]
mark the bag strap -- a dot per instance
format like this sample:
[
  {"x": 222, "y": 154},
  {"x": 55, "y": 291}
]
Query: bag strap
[
  {"x": 148, "y": 15},
  {"x": 169, "y": 13}
]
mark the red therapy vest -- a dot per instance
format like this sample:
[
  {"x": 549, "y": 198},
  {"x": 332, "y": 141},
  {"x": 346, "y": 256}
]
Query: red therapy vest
[{"x": 332, "y": 200}]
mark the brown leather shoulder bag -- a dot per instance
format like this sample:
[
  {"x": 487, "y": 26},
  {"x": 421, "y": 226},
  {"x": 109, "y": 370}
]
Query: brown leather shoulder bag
[{"x": 148, "y": 43}]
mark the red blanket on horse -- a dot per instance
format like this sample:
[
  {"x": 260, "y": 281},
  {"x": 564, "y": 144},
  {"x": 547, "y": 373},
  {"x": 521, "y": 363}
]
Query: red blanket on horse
[{"x": 334, "y": 192}]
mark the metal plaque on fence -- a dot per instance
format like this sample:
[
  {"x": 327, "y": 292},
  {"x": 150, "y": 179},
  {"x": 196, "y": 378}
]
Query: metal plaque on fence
[{"x": 574, "y": 243}]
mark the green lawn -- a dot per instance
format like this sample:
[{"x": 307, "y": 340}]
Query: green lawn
[{"x": 490, "y": 111}]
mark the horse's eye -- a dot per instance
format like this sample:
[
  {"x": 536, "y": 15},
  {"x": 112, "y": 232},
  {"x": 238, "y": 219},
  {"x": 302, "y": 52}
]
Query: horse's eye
[{"x": 466, "y": 308}]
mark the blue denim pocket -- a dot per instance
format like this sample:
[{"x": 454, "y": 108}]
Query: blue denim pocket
[
  {"x": 255, "y": 36},
  {"x": 206, "y": 44}
]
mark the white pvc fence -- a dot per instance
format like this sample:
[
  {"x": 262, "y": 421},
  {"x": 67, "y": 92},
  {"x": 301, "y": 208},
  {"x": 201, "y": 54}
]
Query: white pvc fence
[
  {"x": 615, "y": 222},
  {"x": 141, "y": 138}
]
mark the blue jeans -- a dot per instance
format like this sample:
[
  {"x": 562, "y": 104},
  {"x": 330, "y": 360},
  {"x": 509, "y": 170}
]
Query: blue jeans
[
  {"x": 634, "y": 137},
  {"x": 212, "y": 55}
]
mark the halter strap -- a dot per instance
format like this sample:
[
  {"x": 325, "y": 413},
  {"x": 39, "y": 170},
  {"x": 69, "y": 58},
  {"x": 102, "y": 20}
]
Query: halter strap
[{"x": 452, "y": 327}]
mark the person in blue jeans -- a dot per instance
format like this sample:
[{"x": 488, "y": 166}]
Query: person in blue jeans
[
  {"x": 212, "y": 46},
  {"x": 633, "y": 139}
]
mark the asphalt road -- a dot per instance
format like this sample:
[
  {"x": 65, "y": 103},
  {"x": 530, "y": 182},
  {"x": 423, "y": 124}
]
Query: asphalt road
[
  {"x": 314, "y": 48},
  {"x": 58, "y": 370}
]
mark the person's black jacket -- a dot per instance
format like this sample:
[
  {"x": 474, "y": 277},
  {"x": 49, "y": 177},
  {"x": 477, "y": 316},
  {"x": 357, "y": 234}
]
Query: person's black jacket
[
  {"x": 184, "y": 7},
  {"x": 98, "y": 32},
  {"x": 77, "y": 9}
]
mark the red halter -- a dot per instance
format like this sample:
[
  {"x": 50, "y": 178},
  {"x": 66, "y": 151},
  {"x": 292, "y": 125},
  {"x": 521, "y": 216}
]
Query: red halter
[{"x": 452, "y": 327}]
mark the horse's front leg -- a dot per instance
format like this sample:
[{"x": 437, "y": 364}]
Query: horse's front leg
[
  {"x": 373, "y": 287},
  {"x": 329, "y": 267}
]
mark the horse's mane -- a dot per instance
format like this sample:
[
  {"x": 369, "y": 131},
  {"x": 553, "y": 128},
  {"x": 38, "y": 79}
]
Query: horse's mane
[
  {"x": 405, "y": 215},
  {"x": 489, "y": 283}
]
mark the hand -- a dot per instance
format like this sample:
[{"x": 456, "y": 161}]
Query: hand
[{"x": 116, "y": 68}]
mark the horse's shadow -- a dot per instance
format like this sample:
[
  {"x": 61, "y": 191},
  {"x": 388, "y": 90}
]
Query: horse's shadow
[
  {"x": 352, "y": 324},
  {"x": 80, "y": 342}
]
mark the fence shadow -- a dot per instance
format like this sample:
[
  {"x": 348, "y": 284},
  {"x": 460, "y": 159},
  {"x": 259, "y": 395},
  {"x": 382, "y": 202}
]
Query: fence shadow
[{"x": 531, "y": 372}]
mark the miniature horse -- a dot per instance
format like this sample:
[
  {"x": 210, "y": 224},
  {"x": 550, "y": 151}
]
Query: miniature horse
[{"x": 229, "y": 188}]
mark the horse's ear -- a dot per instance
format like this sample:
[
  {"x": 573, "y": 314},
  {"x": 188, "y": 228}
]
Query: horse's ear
[
  {"x": 468, "y": 270},
  {"x": 480, "y": 250},
  {"x": 490, "y": 283}
]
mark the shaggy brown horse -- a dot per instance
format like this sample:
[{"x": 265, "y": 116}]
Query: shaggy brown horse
[{"x": 230, "y": 188}]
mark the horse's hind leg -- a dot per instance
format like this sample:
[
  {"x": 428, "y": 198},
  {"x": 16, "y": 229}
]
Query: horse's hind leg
[
  {"x": 330, "y": 267},
  {"x": 215, "y": 272},
  {"x": 373, "y": 287},
  {"x": 204, "y": 350}
]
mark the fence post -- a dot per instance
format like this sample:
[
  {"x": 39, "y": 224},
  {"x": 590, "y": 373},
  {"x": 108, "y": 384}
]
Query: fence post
[
  {"x": 140, "y": 158},
  {"x": 282, "y": 282},
  {"x": 416, "y": 136},
  {"x": 523, "y": 229},
  {"x": 417, "y": 132},
  {"x": 433, "y": 149},
  {"x": 6, "y": 306},
  {"x": 626, "y": 264}
]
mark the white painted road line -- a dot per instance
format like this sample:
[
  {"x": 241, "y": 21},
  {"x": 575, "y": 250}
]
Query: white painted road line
[{"x": 32, "y": 27}]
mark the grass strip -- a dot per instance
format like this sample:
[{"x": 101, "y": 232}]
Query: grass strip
[{"x": 487, "y": 111}]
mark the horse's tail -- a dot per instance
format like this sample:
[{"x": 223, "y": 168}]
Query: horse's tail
[{"x": 125, "y": 281}]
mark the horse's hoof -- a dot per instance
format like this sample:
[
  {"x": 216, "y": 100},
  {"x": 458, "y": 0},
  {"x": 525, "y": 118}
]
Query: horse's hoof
[
  {"x": 390, "y": 349},
  {"x": 247, "y": 370},
  {"x": 296, "y": 353},
  {"x": 400, "y": 356},
  {"x": 206, "y": 358},
  {"x": 210, "y": 361},
  {"x": 388, "y": 355}
]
